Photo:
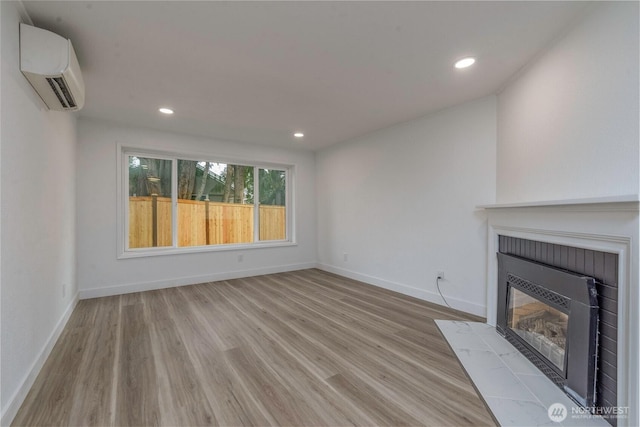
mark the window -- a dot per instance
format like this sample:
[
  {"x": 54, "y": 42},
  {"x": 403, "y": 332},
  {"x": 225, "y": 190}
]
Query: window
[
  {"x": 174, "y": 203},
  {"x": 273, "y": 194},
  {"x": 149, "y": 210},
  {"x": 215, "y": 203}
]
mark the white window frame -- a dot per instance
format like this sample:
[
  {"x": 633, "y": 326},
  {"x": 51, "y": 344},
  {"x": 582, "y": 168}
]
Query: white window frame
[{"x": 123, "y": 203}]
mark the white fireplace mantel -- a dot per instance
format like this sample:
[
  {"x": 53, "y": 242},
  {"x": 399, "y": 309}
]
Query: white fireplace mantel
[
  {"x": 601, "y": 201},
  {"x": 609, "y": 224}
]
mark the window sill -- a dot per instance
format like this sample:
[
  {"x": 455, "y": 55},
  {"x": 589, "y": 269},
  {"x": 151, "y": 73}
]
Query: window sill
[{"x": 151, "y": 252}]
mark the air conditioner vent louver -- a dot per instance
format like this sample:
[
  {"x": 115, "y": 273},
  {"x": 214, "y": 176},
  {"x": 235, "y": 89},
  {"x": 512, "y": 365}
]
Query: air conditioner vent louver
[
  {"x": 61, "y": 91},
  {"x": 50, "y": 64}
]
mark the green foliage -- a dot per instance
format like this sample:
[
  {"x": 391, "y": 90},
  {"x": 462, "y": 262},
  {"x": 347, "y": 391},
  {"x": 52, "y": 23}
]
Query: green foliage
[
  {"x": 149, "y": 176},
  {"x": 153, "y": 176},
  {"x": 272, "y": 187}
]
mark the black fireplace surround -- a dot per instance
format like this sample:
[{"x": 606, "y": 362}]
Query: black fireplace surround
[{"x": 551, "y": 316}]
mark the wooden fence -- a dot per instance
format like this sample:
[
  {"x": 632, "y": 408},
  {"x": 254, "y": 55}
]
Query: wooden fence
[{"x": 200, "y": 223}]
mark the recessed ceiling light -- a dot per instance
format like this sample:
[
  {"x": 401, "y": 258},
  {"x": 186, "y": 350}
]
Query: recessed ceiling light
[
  {"x": 165, "y": 110},
  {"x": 298, "y": 134},
  {"x": 465, "y": 62}
]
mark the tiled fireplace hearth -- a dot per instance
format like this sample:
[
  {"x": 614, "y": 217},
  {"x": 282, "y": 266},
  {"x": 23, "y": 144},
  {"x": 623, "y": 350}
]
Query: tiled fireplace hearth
[{"x": 560, "y": 235}]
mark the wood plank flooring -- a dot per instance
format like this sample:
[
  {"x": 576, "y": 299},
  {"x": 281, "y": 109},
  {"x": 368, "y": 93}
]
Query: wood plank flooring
[{"x": 304, "y": 348}]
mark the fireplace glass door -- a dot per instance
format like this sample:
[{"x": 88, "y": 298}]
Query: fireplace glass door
[{"x": 541, "y": 326}]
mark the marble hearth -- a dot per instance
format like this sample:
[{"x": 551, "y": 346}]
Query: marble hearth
[{"x": 516, "y": 392}]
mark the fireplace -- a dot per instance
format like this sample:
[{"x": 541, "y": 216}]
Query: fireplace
[
  {"x": 551, "y": 316},
  {"x": 596, "y": 238}
]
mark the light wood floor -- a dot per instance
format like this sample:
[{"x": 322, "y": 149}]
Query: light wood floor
[{"x": 306, "y": 348}]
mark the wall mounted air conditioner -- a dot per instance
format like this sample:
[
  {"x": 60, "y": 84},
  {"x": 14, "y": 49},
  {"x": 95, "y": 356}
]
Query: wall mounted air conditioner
[{"x": 49, "y": 62}]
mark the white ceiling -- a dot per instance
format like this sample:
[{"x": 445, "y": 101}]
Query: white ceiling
[{"x": 258, "y": 71}]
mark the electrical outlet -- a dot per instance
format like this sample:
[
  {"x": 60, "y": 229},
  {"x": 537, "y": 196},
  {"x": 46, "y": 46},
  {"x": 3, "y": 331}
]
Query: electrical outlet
[
  {"x": 441, "y": 275},
  {"x": 240, "y": 257},
  {"x": 345, "y": 257}
]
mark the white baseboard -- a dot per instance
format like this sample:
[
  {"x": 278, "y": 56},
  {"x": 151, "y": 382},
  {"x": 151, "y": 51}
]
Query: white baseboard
[
  {"x": 190, "y": 280},
  {"x": 11, "y": 409},
  {"x": 458, "y": 304}
]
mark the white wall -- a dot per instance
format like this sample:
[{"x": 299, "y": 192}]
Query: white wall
[
  {"x": 99, "y": 270},
  {"x": 568, "y": 126},
  {"x": 401, "y": 203},
  {"x": 38, "y": 223}
]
